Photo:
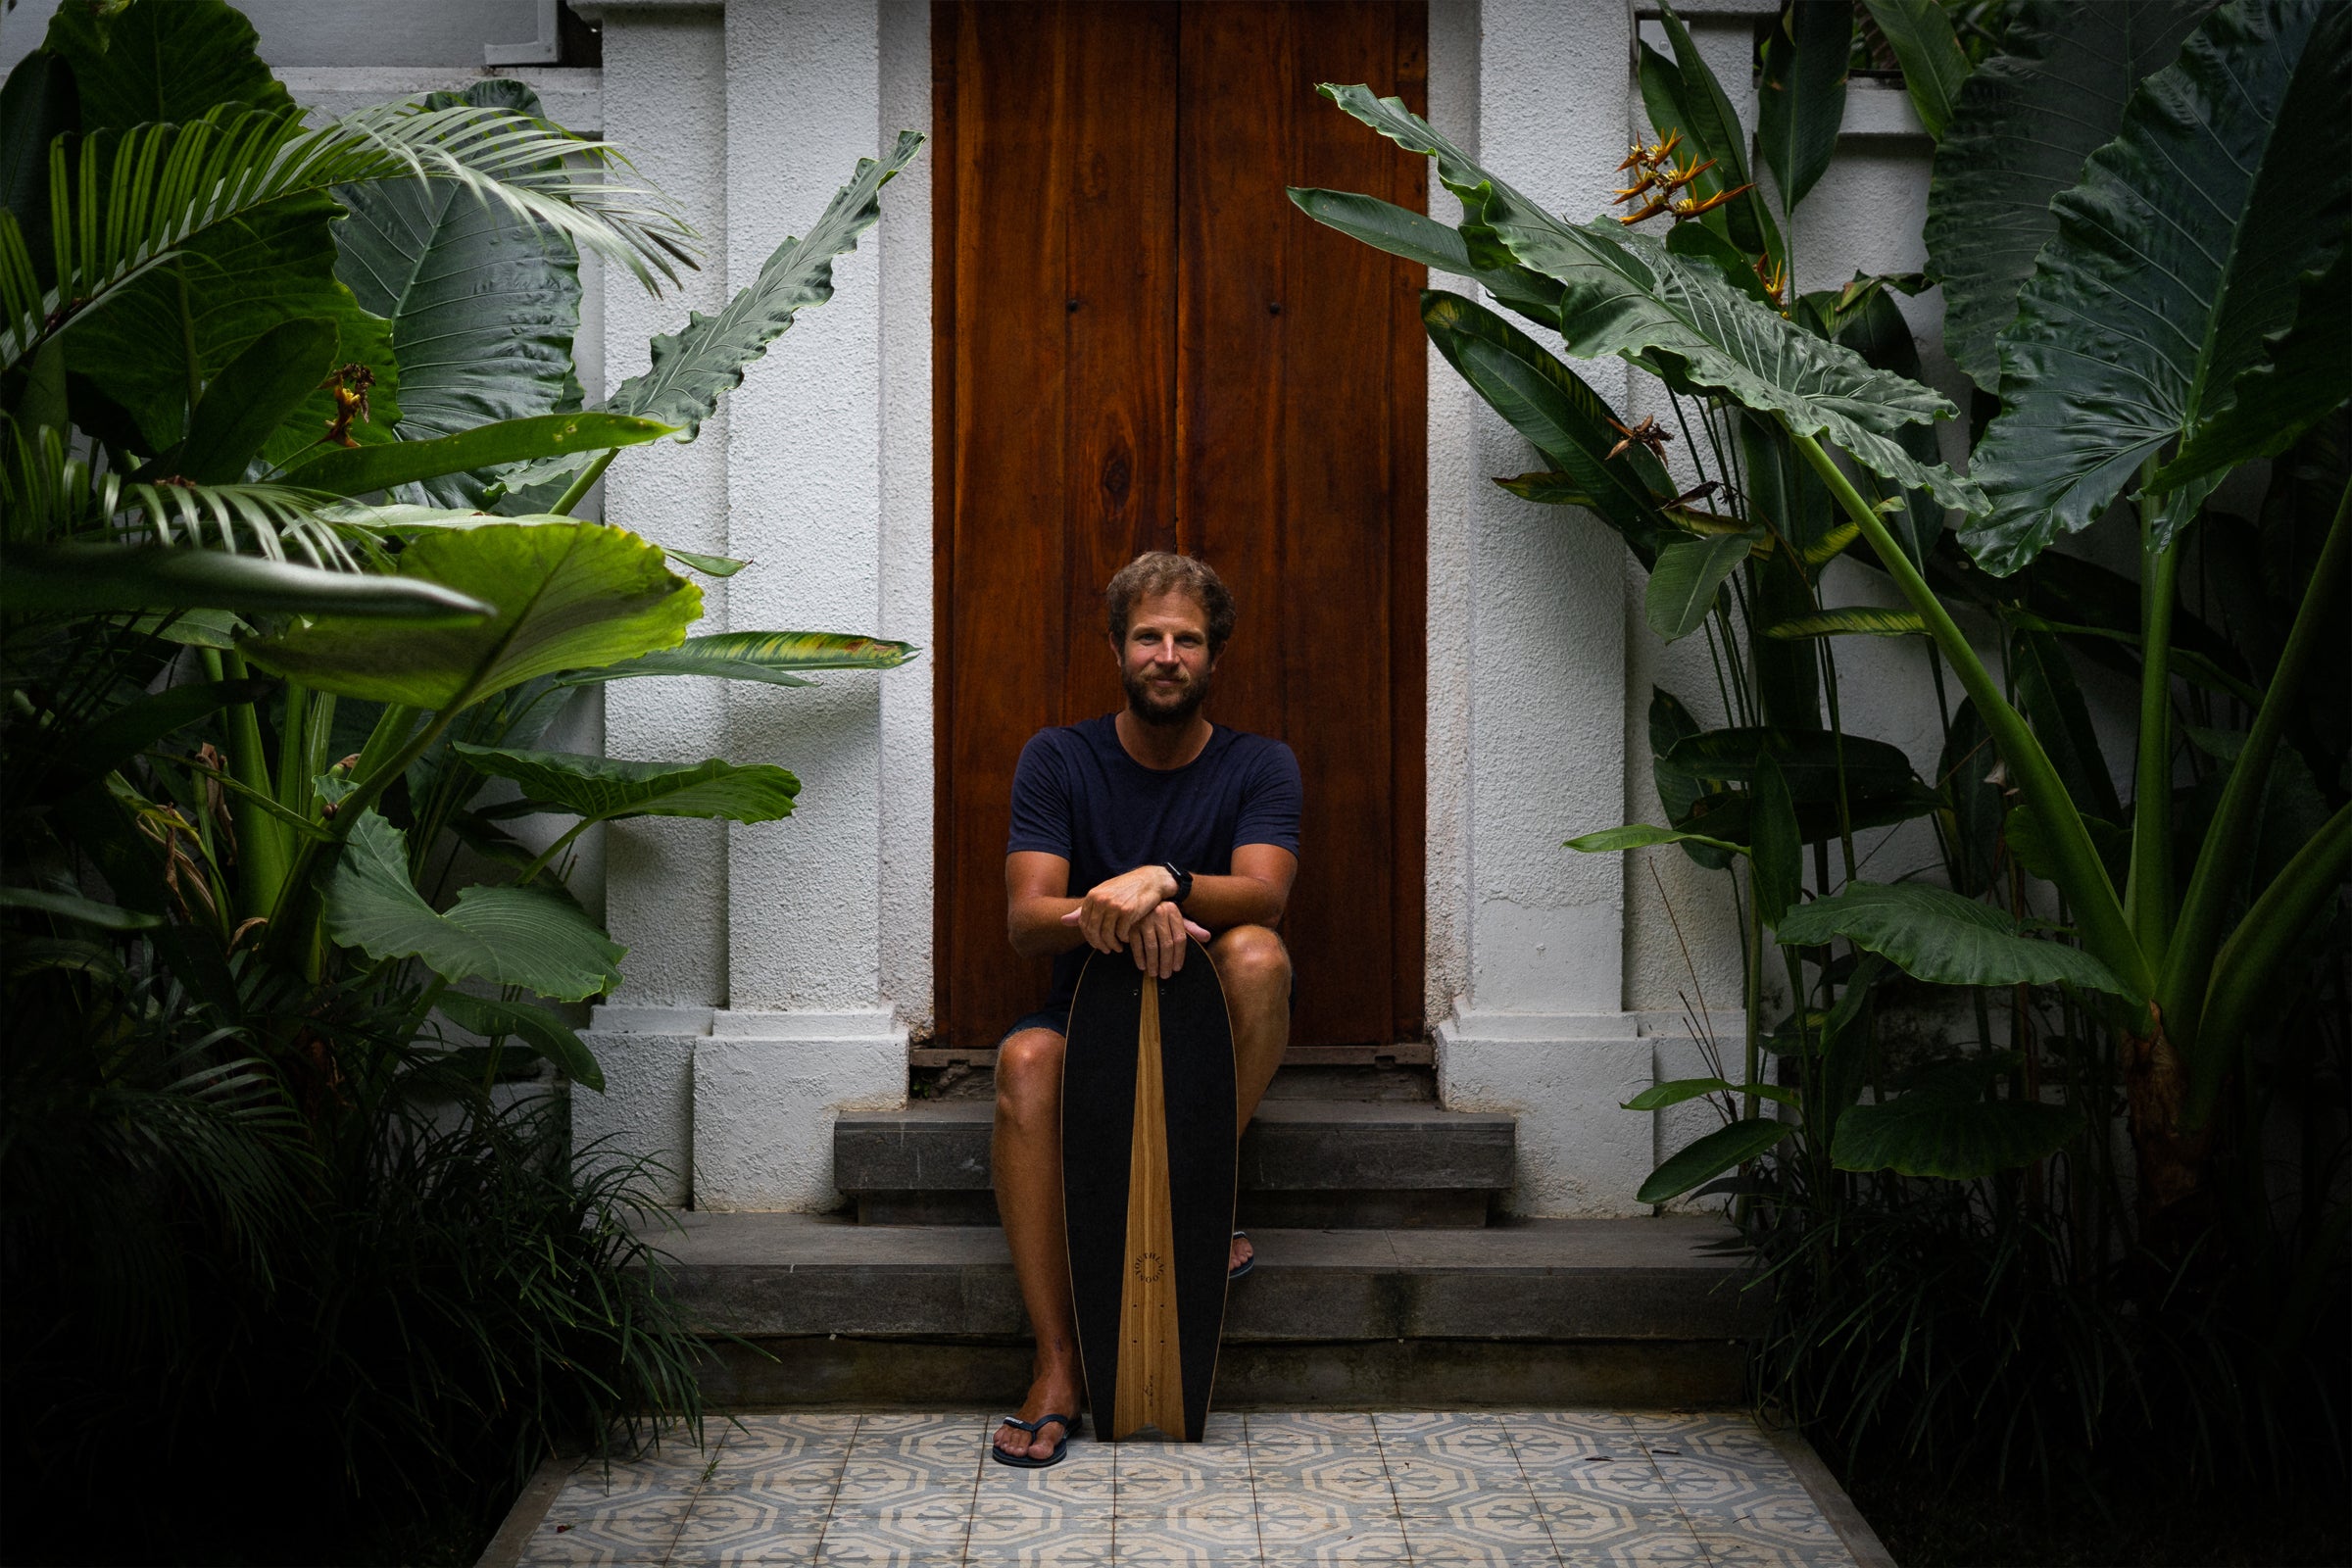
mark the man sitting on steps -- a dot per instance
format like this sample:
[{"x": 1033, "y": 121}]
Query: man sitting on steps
[{"x": 1128, "y": 832}]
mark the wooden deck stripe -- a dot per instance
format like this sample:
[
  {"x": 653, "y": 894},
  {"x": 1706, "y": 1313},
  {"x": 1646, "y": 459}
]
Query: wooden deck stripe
[{"x": 1150, "y": 1388}]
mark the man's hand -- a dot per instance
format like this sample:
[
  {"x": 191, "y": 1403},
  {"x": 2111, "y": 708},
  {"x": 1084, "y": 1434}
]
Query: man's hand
[{"x": 1132, "y": 911}]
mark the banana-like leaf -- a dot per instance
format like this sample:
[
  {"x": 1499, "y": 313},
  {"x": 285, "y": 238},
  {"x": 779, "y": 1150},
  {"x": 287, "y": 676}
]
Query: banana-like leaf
[
  {"x": 2179, "y": 257},
  {"x": 2019, "y": 131},
  {"x": 1628, "y": 295},
  {"x": 2305, "y": 373},
  {"x": 602, "y": 789},
  {"x": 693, "y": 368},
  {"x": 1558, "y": 414},
  {"x": 1687, "y": 579},
  {"x": 1808, "y": 760},
  {"x": 1730, "y": 815},
  {"x": 769, "y": 657},
  {"x": 357, "y": 471},
  {"x": 1972, "y": 803},
  {"x": 2055, "y": 706},
  {"x": 1711, "y": 1156},
  {"x": 37, "y": 105},
  {"x": 1421, "y": 238},
  {"x": 1711, "y": 127},
  {"x": 401, "y": 517},
  {"x": 1547, "y": 489},
  {"x": 1776, "y": 845},
  {"x": 77, "y": 579},
  {"x": 136, "y": 64},
  {"x": 78, "y": 909},
  {"x": 1657, "y": 1096},
  {"x": 564, "y": 595},
  {"x": 1867, "y": 620},
  {"x": 1928, "y": 1134},
  {"x": 511, "y": 936},
  {"x": 1935, "y": 934},
  {"x": 1801, "y": 100},
  {"x": 1929, "y": 51},
  {"x": 539, "y": 1030},
  {"x": 1640, "y": 836},
  {"x": 1670, "y": 721},
  {"x": 484, "y": 302}
]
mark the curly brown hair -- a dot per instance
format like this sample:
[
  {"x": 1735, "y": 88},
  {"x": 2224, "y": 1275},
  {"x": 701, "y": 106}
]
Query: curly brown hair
[{"x": 1158, "y": 571}]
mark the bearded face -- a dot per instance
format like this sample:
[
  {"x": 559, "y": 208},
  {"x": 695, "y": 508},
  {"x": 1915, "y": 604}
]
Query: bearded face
[{"x": 1165, "y": 662}]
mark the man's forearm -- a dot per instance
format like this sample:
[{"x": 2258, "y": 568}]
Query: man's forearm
[
  {"x": 1221, "y": 902},
  {"x": 1037, "y": 930}
]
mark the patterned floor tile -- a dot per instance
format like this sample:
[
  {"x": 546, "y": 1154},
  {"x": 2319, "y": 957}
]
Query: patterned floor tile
[
  {"x": 1499, "y": 1518},
  {"x": 1628, "y": 1477},
  {"x": 1354, "y": 1474},
  {"x": 1550, "y": 1443},
  {"x": 1366, "y": 1540},
  {"x": 850, "y": 1548},
  {"x": 939, "y": 1522},
  {"x": 783, "y": 1549},
  {"x": 1659, "y": 1551},
  {"x": 1154, "y": 1550},
  {"x": 625, "y": 1533},
  {"x": 1443, "y": 1549},
  {"x": 1006, "y": 1521},
  {"x": 1071, "y": 1551},
  {"x": 1588, "y": 1521},
  {"x": 804, "y": 1478},
  {"x": 1746, "y": 1552},
  {"x": 1154, "y": 1486},
  {"x": 1082, "y": 1477}
]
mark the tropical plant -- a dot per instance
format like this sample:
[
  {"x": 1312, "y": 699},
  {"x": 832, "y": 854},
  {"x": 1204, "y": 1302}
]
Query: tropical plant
[
  {"x": 254, "y": 701},
  {"x": 1809, "y": 431}
]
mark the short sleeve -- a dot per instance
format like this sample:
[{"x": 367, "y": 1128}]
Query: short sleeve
[
  {"x": 1271, "y": 800},
  {"x": 1041, "y": 801}
]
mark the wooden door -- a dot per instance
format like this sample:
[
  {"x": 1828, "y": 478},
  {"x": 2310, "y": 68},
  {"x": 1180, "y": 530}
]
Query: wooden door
[{"x": 1143, "y": 345}]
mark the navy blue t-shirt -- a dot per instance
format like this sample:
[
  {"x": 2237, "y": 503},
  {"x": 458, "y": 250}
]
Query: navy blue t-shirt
[{"x": 1078, "y": 794}]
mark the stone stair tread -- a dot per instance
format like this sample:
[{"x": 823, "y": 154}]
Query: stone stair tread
[
  {"x": 1667, "y": 1278},
  {"x": 930, "y": 1114}
]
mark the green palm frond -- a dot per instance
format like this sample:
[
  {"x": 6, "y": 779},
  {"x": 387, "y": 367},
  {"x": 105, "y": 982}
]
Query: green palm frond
[
  {"x": 122, "y": 204},
  {"x": 50, "y": 495}
]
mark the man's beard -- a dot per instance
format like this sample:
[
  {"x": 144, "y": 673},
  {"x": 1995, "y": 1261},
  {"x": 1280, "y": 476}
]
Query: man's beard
[{"x": 1160, "y": 713}]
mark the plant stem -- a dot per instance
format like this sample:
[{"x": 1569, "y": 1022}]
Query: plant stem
[
  {"x": 2106, "y": 932},
  {"x": 2196, "y": 936},
  {"x": 584, "y": 484},
  {"x": 2148, "y": 893},
  {"x": 562, "y": 843},
  {"x": 262, "y": 847}
]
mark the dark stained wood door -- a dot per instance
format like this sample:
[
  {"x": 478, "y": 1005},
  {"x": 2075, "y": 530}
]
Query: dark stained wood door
[{"x": 1143, "y": 345}]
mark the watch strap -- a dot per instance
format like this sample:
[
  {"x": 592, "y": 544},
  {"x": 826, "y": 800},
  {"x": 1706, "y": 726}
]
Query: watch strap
[{"x": 1184, "y": 881}]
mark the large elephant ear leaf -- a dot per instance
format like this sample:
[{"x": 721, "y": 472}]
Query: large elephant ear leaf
[
  {"x": 509, "y": 936},
  {"x": 1935, "y": 935},
  {"x": 2021, "y": 127},
  {"x": 693, "y": 368},
  {"x": 1927, "y": 1133},
  {"x": 565, "y": 595},
  {"x": 483, "y": 303},
  {"x": 1626, "y": 294},
  {"x": 604, "y": 789},
  {"x": 135, "y": 64},
  {"x": 538, "y": 1030},
  {"x": 2178, "y": 258}
]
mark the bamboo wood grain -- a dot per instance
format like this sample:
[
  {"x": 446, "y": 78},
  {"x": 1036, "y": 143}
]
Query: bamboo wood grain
[{"x": 1150, "y": 1370}]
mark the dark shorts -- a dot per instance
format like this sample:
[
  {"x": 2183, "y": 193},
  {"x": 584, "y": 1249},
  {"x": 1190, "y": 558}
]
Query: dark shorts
[{"x": 1057, "y": 1019}]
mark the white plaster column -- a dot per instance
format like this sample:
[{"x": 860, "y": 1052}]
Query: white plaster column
[
  {"x": 807, "y": 1031},
  {"x": 664, "y": 104},
  {"x": 1540, "y": 1028}
]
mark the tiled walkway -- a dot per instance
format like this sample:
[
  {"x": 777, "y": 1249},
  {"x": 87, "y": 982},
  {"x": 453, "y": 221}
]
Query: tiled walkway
[{"x": 1555, "y": 1488}]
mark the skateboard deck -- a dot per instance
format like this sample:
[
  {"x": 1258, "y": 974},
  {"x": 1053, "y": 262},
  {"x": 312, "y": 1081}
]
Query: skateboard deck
[{"x": 1148, "y": 1168}]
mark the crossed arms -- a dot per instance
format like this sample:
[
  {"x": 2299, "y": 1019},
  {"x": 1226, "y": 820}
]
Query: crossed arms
[{"x": 1131, "y": 910}]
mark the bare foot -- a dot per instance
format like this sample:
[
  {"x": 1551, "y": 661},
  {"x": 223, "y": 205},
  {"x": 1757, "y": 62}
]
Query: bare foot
[
  {"x": 1052, "y": 1392},
  {"x": 1240, "y": 1252}
]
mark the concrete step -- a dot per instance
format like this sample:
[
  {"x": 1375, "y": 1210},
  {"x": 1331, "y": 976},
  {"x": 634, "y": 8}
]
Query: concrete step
[
  {"x": 1304, "y": 1163},
  {"x": 818, "y": 1309}
]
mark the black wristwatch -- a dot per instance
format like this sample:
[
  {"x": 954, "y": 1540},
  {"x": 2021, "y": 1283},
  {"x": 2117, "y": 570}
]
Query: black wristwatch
[{"x": 1183, "y": 882}]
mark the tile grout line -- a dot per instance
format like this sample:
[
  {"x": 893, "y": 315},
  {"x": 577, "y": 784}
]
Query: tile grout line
[
  {"x": 1258, "y": 1519},
  {"x": 833, "y": 1498},
  {"x": 1674, "y": 1494},
  {"x": 694, "y": 1496},
  {"x": 1395, "y": 1508},
  {"x": 1528, "y": 1486},
  {"x": 971, "y": 1504}
]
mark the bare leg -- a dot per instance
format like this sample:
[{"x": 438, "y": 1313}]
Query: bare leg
[
  {"x": 1026, "y": 1157},
  {"x": 1255, "y": 968}
]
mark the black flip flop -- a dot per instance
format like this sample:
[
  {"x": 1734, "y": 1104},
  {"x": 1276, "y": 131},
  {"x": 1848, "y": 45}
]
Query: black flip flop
[
  {"x": 1023, "y": 1461},
  {"x": 1248, "y": 1263}
]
